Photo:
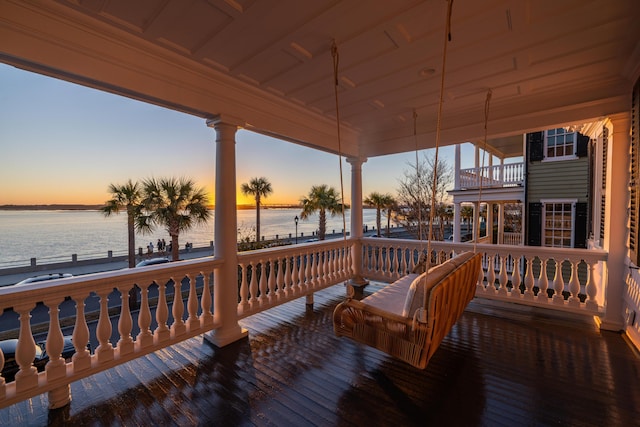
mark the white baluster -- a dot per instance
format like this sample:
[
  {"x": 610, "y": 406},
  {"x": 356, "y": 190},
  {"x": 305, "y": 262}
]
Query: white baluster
[
  {"x": 529, "y": 281},
  {"x": 125, "y": 323},
  {"x": 387, "y": 262},
  {"x": 543, "y": 282},
  {"x": 502, "y": 276},
  {"x": 314, "y": 270},
  {"x": 491, "y": 275},
  {"x": 574, "y": 285},
  {"x": 56, "y": 366},
  {"x": 264, "y": 298},
  {"x": 145, "y": 337},
  {"x": 396, "y": 263},
  {"x": 516, "y": 280},
  {"x": 193, "y": 322},
  {"x": 27, "y": 377},
  {"x": 591, "y": 289},
  {"x": 253, "y": 284},
  {"x": 280, "y": 277},
  {"x": 162, "y": 332},
  {"x": 82, "y": 357},
  {"x": 480, "y": 284},
  {"x": 295, "y": 274},
  {"x": 206, "y": 318},
  {"x": 558, "y": 284},
  {"x": 104, "y": 351},
  {"x": 288, "y": 279},
  {"x": 244, "y": 287},
  {"x": 271, "y": 281},
  {"x": 178, "y": 327}
]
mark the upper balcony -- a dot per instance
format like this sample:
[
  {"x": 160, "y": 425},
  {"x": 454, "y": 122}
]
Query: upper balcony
[{"x": 496, "y": 176}]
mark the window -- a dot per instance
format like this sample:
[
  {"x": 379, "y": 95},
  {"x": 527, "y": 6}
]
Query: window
[
  {"x": 559, "y": 143},
  {"x": 558, "y": 220}
]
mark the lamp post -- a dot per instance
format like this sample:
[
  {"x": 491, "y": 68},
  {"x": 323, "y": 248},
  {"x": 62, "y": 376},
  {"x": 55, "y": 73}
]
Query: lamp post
[{"x": 296, "y": 221}]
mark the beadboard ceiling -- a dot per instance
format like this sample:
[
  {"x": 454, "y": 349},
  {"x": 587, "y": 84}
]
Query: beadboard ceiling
[{"x": 267, "y": 65}]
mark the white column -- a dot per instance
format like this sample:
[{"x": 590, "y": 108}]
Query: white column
[
  {"x": 457, "y": 217},
  {"x": 225, "y": 277},
  {"x": 356, "y": 220},
  {"x": 522, "y": 222},
  {"x": 489, "y": 223},
  {"x": 476, "y": 221},
  {"x": 456, "y": 176},
  {"x": 490, "y": 169},
  {"x": 616, "y": 221},
  {"x": 501, "y": 223}
]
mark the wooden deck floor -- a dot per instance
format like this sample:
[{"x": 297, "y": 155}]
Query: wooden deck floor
[{"x": 501, "y": 365}]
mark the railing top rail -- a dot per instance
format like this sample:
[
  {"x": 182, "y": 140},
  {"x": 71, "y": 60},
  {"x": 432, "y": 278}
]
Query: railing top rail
[
  {"x": 60, "y": 288},
  {"x": 589, "y": 255}
]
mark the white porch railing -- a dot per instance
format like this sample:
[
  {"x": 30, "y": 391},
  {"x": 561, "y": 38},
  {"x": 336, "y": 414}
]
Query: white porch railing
[
  {"x": 513, "y": 239},
  {"x": 274, "y": 276},
  {"x": 98, "y": 304},
  {"x": 507, "y": 175},
  {"x": 565, "y": 279}
]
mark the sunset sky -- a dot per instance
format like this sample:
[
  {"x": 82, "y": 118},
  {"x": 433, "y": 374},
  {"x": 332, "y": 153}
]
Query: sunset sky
[{"x": 64, "y": 144}]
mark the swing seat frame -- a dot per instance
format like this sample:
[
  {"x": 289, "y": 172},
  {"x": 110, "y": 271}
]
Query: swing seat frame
[{"x": 385, "y": 319}]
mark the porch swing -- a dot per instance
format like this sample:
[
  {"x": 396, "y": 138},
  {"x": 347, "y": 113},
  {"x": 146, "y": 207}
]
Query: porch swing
[{"x": 409, "y": 318}]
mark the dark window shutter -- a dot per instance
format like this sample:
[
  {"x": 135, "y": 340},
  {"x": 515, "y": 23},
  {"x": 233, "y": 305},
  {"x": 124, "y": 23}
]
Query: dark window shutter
[
  {"x": 535, "y": 140},
  {"x": 603, "y": 198},
  {"x": 580, "y": 226},
  {"x": 582, "y": 149},
  {"x": 534, "y": 225},
  {"x": 634, "y": 185}
]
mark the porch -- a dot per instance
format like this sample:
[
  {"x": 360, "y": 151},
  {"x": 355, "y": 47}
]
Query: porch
[{"x": 502, "y": 364}]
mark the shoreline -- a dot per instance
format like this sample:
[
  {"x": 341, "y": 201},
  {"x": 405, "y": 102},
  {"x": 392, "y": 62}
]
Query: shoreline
[{"x": 77, "y": 267}]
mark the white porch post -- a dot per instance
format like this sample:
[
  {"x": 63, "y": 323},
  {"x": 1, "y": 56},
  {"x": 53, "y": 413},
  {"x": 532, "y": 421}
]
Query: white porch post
[
  {"x": 356, "y": 221},
  {"x": 501, "y": 223},
  {"x": 489, "y": 224},
  {"x": 476, "y": 221},
  {"x": 457, "y": 217},
  {"x": 456, "y": 176},
  {"x": 225, "y": 277},
  {"x": 616, "y": 220}
]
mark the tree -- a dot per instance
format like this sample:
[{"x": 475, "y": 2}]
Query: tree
[
  {"x": 126, "y": 197},
  {"x": 415, "y": 193},
  {"x": 378, "y": 201},
  {"x": 176, "y": 204},
  {"x": 467, "y": 215},
  {"x": 323, "y": 199},
  {"x": 258, "y": 188},
  {"x": 390, "y": 205}
]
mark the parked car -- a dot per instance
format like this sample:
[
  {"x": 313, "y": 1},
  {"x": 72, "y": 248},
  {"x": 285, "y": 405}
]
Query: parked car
[
  {"x": 44, "y": 278},
  {"x": 152, "y": 261},
  {"x": 11, "y": 367}
]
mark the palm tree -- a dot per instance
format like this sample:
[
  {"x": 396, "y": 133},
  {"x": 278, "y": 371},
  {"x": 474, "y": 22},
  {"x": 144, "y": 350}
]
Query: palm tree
[
  {"x": 378, "y": 201},
  {"x": 390, "y": 205},
  {"x": 467, "y": 214},
  {"x": 127, "y": 196},
  {"x": 323, "y": 199},
  {"x": 176, "y": 204},
  {"x": 258, "y": 188}
]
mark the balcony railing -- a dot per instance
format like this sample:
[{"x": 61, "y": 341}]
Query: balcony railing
[
  {"x": 507, "y": 175},
  {"x": 98, "y": 305}
]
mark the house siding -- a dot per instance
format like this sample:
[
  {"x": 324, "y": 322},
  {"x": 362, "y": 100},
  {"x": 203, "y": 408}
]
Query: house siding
[{"x": 567, "y": 179}]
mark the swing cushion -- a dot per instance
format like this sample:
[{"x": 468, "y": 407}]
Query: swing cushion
[
  {"x": 414, "y": 297},
  {"x": 392, "y": 297}
]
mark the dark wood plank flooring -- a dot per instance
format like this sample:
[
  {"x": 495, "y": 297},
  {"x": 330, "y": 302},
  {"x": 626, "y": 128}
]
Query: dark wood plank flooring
[{"x": 501, "y": 364}]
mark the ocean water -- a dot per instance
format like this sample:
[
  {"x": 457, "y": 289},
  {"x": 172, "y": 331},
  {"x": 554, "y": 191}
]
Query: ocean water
[{"x": 54, "y": 236}]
